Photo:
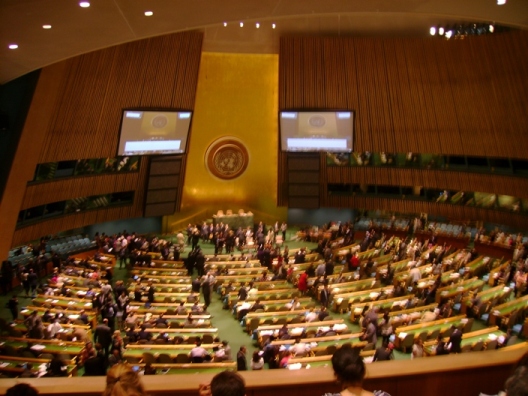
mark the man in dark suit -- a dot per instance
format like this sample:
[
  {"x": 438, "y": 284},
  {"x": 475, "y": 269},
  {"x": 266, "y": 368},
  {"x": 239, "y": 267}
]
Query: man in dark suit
[
  {"x": 325, "y": 296},
  {"x": 103, "y": 336},
  {"x": 455, "y": 340}
]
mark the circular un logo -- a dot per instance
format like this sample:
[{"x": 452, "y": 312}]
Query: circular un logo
[
  {"x": 317, "y": 121},
  {"x": 227, "y": 158},
  {"x": 160, "y": 121}
]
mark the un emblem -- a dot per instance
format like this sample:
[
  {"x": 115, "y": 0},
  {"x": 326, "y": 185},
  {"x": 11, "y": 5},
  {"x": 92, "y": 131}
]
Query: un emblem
[{"x": 227, "y": 158}]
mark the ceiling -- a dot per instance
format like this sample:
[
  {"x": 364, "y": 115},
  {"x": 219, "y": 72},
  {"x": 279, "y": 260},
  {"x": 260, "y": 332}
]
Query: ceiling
[{"x": 105, "y": 23}]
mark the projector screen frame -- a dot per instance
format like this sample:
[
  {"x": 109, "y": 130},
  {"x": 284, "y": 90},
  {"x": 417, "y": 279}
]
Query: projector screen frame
[
  {"x": 184, "y": 141},
  {"x": 332, "y": 144}
]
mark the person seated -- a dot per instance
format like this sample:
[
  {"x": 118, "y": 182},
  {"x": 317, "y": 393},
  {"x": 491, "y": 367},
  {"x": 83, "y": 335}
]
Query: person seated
[
  {"x": 22, "y": 389},
  {"x": 114, "y": 358},
  {"x": 144, "y": 334},
  {"x": 196, "y": 308},
  {"x": 189, "y": 322},
  {"x": 198, "y": 353},
  {"x": 181, "y": 310},
  {"x": 323, "y": 313},
  {"x": 384, "y": 352},
  {"x": 149, "y": 370},
  {"x": 300, "y": 348},
  {"x": 256, "y": 306},
  {"x": 161, "y": 320}
]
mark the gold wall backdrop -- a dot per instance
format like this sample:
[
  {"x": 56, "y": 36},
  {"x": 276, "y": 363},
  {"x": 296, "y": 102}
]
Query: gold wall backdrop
[{"x": 236, "y": 97}]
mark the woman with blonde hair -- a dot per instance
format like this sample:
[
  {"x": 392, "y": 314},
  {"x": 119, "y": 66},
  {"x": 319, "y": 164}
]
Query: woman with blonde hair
[{"x": 122, "y": 380}]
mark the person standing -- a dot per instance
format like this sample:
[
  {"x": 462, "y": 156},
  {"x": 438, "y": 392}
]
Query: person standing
[
  {"x": 455, "y": 340},
  {"x": 206, "y": 291},
  {"x": 103, "y": 336},
  {"x": 13, "y": 306},
  {"x": 241, "y": 359},
  {"x": 33, "y": 282}
]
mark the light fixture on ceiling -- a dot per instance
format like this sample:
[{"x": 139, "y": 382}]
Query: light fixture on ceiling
[
  {"x": 432, "y": 31},
  {"x": 13, "y": 46},
  {"x": 273, "y": 26},
  {"x": 491, "y": 28},
  {"x": 46, "y": 26},
  {"x": 501, "y": 2},
  {"x": 257, "y": 25},
  {"x": 448, "y": 34},
  {"x": 84, "y": 4},
  {"x": 241, "y": 24},
  {"x": 149, "y": 13},
  {"x": 225, "y": 24},
  {"x": 441, "y": 31}
]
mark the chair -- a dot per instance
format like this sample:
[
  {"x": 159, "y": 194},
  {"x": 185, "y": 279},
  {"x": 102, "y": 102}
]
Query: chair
[
  {"x": 182, "y": 358},
  {"x": 164, "y": 358},
  {"x": 492, "y": 345},
  {"x": 321, "y": 352},
  {"x": 478, "y": 346},
  {"x": 45, "y": 356},
  {"x": 148, "y": 358},
  {"x": 369, "y": 347},
  {"x": 161, "y": 326},
  {"x": 466, "y": 348},
  {"x": 447, "y": 332},
  {"x": 160, "y": 341},
  {"x": 434, "y": 334},
  {"x": 407, "y": 342},
  {"x": 207, "y": 339},
  {"x": 423, "y": 336},
  {"x": 254, "y": 323},
  {"x": 331, "y": 349}
]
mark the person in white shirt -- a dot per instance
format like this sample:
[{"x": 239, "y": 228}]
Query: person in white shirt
[
  {"x": 257, "y": 361},
  {"x": 54, "y": 328}
]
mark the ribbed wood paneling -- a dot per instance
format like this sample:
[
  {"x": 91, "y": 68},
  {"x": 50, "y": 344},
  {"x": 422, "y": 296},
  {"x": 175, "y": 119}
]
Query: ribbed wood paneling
[
  {"x": 61, "y": 190},
  {"x": 463, "y": 97},
  {"x": 92, "y": 91},
  {"x": 452, "y": 180},
  {"x": 421, "y": 95},
  {"x": 451, "y": 212},
  {"x": 159, "y": 72},
  {"x": 76, "y": 220}
]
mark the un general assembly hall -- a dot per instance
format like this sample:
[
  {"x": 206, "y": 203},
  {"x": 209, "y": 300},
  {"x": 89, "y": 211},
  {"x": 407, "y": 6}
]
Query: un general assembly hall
[{"x": 264, "y": 197}]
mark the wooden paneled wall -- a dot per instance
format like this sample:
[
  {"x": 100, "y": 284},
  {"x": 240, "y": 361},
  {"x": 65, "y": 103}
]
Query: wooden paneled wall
[
  {"x": 456, "y": 97},
  {"x": 441, "y": 179},
  {"x": 160, "y": 72},
  {"x": 452, "y": 212},
  {"x": 84, "y": 115},
  {"x": 463, "y": 97}
]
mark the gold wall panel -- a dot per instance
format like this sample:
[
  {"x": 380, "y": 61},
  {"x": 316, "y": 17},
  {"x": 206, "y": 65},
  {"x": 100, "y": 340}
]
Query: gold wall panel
[{"x": 236, "y": 97}]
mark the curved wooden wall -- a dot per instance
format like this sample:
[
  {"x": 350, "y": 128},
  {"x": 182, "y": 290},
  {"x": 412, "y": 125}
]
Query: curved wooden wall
[
  {"x": 76, "y": 114},
  {"x": 456, "y": 97}
]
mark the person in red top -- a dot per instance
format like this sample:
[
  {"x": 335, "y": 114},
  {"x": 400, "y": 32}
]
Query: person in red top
[
  {"x": 303, "y": 283},
  {"x": 354, "y": 262}
]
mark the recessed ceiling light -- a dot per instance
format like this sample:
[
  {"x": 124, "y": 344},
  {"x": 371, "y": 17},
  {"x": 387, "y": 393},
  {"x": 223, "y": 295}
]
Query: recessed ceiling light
[
  {"x": 432, "y": 31},
  {"x": 13, "y": 46},
  {"x": 273, "y": 26},
  {"x": 501, "y": 2},
  {"x": 149, "y": 13},
  {"x": 241, "y": 24},
  {"x": 441, "y": 31},
  {"x": 257, "y": 25},
  {"x": 491, "y": 28},
  {"x": 84, "y": 4},
  {"x": 225, "y": 24},
  {"x": 46, "y": 26}
]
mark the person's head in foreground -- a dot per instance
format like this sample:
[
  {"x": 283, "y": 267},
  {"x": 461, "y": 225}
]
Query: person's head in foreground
[
  {"x": 349, "y": 368},
  {"x": 122, "y": 380},
  {"x": 226, "y": 383},
  {"x": 22, "y": 390}
]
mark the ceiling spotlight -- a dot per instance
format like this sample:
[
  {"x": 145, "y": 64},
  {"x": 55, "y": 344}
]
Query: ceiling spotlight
[
  {"x": 225, "y": 24},
  {"x": 241, "y": 24},
  {"x": 257, "y": 25},
  {"x": 46, "y": 26},
  {"x": 273, "y": 26},
  {"x": 84, "y": 4},
  {"x": 501, "y": 2},
  {"x": 491, "y": 28},
  {"x": 149, "y": 13},
  {"x": 448, "y": 34},
  {"x": 432, "y": 31},
  {"x": 13, "y": 46},
  {"x": 441, "y": 31}
]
